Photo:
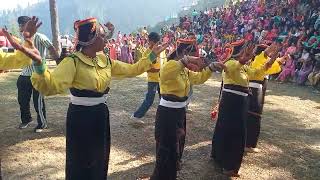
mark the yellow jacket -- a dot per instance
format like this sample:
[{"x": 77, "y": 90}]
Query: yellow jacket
[
  {"x": 13, "y": 60},
  {"x": 86, "y": 74},
  {"x": 154, "y": 76},
  {"x": 261, "y": 60},
  {"x": 175, "y": 79},
  {"x": 238, "y": 74}
]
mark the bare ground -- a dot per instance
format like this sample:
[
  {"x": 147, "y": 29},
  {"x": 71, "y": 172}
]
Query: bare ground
[{"x": 290, "y": 136}]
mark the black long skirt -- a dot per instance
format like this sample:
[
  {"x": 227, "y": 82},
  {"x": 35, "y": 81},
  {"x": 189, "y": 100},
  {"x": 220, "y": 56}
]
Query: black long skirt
[
  {"x": 88, "y": 142},
  {"x": 170, "y": 130},
  {"x": 228, "y": 140},
  {"x": 256, "y": 102}
]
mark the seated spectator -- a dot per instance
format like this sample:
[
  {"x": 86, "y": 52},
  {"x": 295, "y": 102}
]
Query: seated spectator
[
  {"x": 302, "y": 74},
  {"x": 304, "y": 55},
  {"x": 314, "y": 76},
  {"x": 313, "y": 42},
  {"x": 288, "y": 70}
]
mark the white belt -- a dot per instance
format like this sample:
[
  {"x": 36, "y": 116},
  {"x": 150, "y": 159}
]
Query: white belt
[
  {"x": 235, "y": 92},
  {"x": 255, "y": 85},
  {"x": 88, "y": 101},
  {"x": 171, "y": 104}
]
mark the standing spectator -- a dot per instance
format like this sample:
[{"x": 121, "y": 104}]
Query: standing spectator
[
  {"x": 194, "y": 15},
  {"x": 25, "y": 88}
]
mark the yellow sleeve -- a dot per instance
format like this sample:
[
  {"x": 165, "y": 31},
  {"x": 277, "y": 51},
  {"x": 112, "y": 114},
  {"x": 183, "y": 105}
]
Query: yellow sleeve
[
  {"x": 196, "y": 78},
  {"x": 274, "y": 69},
  {"x": 233, "y": 68},
  {"x": 124, "y": 70},
  {"x": 254, "y": 72},
  {"x": 259, "y": 60},
  {"x": 57, "y": 81},
  {"x": 171, "y": 70},
  {"x": 14, "y": 60}
]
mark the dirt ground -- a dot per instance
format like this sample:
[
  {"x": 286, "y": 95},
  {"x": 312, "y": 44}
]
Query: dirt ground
[{"x": 290, "y": 135}]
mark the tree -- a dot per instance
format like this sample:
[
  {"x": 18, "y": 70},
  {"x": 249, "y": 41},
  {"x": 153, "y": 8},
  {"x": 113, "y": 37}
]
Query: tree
[
  {"x": 54, "y": 24},
  {"x": 13, "y": 27}
]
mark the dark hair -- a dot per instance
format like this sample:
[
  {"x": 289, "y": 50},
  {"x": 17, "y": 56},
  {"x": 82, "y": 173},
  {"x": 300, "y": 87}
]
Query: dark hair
[
  {"x": 23, "y": 19},
  {"x": 181, "y": 48},
  {"x": 154, "y": 37},
  {"x": 237, "y": 49},
  {"x": 260, "y": 49},
  {"x": 85, "y": 34}
]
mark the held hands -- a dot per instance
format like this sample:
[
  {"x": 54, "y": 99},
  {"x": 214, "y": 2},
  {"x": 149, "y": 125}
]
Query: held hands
[
  {"x": 217, "y": 66},
  {"x": 198, "y": 63},
  {"x": 192, "y": 61}
]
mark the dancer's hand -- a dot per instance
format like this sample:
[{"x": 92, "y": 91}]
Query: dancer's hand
[
  {"x": 247, "y": 53},
  {"x": 284, "y": 59},
  {"x": 273, "y": 48},
  {"x": 217, "y": 66},
  {"x": 31, "y": 28},
  {"x": 273, "y": 57},
  {"x": 196, "y": 63}
]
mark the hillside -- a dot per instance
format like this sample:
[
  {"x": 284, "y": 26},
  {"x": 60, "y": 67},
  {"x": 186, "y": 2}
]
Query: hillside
[{"x": 125, "y": 14}]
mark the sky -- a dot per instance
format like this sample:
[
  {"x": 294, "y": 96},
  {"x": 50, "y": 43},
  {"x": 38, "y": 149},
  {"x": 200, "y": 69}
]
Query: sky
[{"x": 10, "y": 4}]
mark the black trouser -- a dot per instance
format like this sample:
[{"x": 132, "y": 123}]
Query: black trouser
[
  {"x": 88, "y": 142},
  {"x": 0, "y": 170},
  {"x": 170, "y": 136},
  {"x": 228, "y": 140},
  {"x": 25, "y": 90},
  {"x": 256, "y": 101},
  {"x": 254, "y": 117}
]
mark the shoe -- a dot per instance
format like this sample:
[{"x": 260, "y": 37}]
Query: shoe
[
  {"x": 23, "y": 125},
  {"x": 189, "y": 110},
  {"x": 136, "y": 120},
  {"x": 252, "y": 150},
  {"x": 40, "y": 129}
]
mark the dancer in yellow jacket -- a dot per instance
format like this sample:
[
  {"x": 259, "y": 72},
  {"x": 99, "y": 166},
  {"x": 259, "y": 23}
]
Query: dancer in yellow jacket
[
  {"x": 228, "y": 142},
  {"x": 170, "y": 126},
  {"x": 87, "y": 73},
  {"x": 257, "y": 87}
]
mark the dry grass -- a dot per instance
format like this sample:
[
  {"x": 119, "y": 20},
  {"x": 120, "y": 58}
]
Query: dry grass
[{"x": 290, "y": 137}]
